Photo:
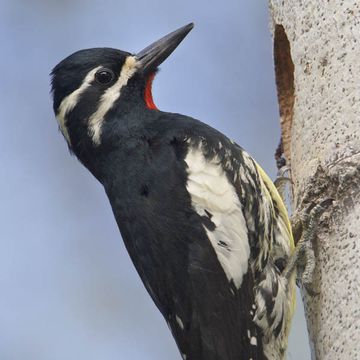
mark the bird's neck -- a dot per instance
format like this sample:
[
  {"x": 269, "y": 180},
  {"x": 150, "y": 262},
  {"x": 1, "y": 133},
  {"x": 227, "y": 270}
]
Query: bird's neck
[{"x": 121, "y": 136}]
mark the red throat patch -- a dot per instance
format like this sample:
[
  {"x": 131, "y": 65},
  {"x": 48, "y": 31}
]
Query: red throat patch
[{"x": 148, "y": 93}]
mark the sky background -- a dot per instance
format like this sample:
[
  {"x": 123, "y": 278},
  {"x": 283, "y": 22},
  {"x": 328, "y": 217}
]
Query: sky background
[{"x": 68, "y": 288}]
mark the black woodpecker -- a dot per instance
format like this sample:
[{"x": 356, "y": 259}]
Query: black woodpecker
[{"x": 203, "y": 224}]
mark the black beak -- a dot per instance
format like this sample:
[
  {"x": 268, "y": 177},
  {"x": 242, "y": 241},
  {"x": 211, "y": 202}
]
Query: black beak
[{"x": 153, "y": 55}]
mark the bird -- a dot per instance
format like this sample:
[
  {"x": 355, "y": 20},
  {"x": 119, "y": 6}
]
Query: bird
[{"x": 203, "y": 224}]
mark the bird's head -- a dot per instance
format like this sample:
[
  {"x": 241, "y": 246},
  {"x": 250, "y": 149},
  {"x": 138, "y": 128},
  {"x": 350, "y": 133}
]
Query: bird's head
[{"x": 91, "y": 85}]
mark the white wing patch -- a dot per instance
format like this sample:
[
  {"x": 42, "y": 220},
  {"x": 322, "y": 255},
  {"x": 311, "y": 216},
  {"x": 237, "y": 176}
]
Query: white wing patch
[{"x": 212, "y": 193}]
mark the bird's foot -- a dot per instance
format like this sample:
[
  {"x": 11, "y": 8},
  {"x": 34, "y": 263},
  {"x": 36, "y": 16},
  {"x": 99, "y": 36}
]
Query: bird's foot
[
  {"x": 282, "y": 176},
  {"x": 303, "y": 259},
  {"x": 283, "y": 184}
]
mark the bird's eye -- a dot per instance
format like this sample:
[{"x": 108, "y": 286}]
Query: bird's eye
[{"x": 104, "y": 76}]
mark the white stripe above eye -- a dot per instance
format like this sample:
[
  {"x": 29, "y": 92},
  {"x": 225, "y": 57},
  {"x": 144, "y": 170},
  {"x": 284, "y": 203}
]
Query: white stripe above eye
[
  {"x": 70, "y": 101},
  {"x": 109, "y": 97}
]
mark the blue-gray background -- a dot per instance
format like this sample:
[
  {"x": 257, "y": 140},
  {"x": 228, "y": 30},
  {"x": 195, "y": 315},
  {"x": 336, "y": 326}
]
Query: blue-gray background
[{"x": 68, "y": 288}]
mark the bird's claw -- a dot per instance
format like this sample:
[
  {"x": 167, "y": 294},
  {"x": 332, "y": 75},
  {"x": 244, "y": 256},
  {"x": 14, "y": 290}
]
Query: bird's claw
[
  {"x": 303, "y": 258},
  {"x": 283, "y": 184},
  {"x": 306, "y": 265}
]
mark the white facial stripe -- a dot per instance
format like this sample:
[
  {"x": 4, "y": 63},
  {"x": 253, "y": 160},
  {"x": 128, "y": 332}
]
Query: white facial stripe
[
  {"x": 109, "y": 97},
  {"x": 70, "y": 101}
]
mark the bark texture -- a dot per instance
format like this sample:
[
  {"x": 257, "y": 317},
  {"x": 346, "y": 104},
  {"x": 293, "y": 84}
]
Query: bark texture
[{"x": 321, "y": 131}]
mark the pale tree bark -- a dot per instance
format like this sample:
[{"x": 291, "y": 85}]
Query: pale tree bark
[{"x": 317, "y": 61}]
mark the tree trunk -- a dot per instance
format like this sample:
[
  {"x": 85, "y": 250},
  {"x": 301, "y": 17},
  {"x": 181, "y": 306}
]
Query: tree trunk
[{"x": 317, "y": 64}]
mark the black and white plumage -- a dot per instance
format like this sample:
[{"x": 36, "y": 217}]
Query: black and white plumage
[{"x": 203, "y": 224}]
